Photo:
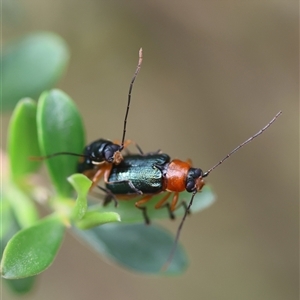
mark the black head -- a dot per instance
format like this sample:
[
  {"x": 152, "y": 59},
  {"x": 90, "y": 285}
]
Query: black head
[
  {"x": 194, "y": 181},
  {"x": 98, "y": 152}
]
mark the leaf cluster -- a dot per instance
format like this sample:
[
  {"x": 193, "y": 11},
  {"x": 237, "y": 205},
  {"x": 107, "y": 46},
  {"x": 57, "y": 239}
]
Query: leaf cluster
[{"x": 50, "y": 125}]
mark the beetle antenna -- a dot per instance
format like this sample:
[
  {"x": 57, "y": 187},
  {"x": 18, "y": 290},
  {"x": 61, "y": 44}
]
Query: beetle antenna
[
  {"x": 172, "y": 252},
  {"x": 243, "y": 144},
  {"x": 129, "y": 95},
  {"x": 55, "y": 154},
  {"x": 171, "y": 255}
]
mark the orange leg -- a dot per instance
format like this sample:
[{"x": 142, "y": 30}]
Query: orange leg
[
  {"x": 96, "y": 175},
  {"x": 90, "y": 174},
  {"x": 174, "y": 201},
  {"x": 144, "y": 200},
  {"x": 162, "y": 203},
  {"x": 163, "y": 200},
  {"x": 171, "y": 207},
  {"x": 173, "y": 204},
  {"x": 105, "y": 172}
]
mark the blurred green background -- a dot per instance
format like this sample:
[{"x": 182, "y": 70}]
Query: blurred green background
[{"x": 214, "y": 73}]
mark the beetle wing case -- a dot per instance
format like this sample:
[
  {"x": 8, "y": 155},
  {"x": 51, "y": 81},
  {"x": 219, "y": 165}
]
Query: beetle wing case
[{"x": 144, "y": 172}]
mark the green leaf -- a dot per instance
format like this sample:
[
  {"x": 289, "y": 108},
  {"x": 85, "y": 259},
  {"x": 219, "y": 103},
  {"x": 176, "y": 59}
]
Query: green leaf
[
  {"x": 22, "y": 139},
  {"x": 9, "y": 224},
  {"x": 82, "y": 185},
  {"x": 129, "y": 213},
  {"x": 10, "y": 227},
  {"x": 84, "y": 219},
  {"x": 33, "y": 249},
  {"x": 60, "y": 129},
  {"x": 22, "y": 206},
  {"x": 6, "y": 217},
  {"x": 30, "y": 65},
  {"x": 21, "y": 286},
  {"x": 138, "y": 247},
  {"x": 94, "y": 218}
]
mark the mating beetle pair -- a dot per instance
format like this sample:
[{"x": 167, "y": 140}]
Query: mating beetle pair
[
  {"x": 144, "y": 175},
  {"x": 138, "y": 174}
]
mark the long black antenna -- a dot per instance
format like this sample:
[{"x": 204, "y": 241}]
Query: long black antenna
[
  {"x": 125, "y": 120},
  {"x": 129, "y": 95},
  {"x": 56, "y": 154},
  {"x": 172, "y": 252},
  {"x": 243, "y": 144}
]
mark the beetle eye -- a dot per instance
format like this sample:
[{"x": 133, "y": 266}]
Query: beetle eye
[
  {"x": 110, "y": 151},
  {"x": 198, "y": 173},
  {"x": 190, "y": 186}
]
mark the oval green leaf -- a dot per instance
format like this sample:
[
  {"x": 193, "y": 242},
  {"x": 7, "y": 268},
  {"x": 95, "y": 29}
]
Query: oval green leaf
[
  {"x": 33, "y": 249},
  {"x": 60, "y": 129},
  {"x": 137, "y": 247},
  {"x": 10, "y": 227},
  {"x": 21, "y": 286},
  {"x": 6, "y": 218},
  {"x": 30, "y": 65},
  {"x": 22, "y": 139},
  {"x": 22, "y": 206}
]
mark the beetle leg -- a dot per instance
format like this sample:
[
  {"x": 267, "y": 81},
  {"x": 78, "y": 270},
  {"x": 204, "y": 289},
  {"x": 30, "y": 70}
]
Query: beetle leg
[
  {"x": 163, "y": 200},
  {"x": 133, "y": 187},
  {"x": 106, "y": 172},
  {"x": 109, "y": 196},
  {"x": 171, "y": 207},
  {"x": 183, "y": 203},
  {"x": 135, "y": 144},
  {"x": 97, "y": 177},
  {"x": 144, "y": 208},
  {"x": 185, "y": 207},
  {"x": 171, "y": 214},
  {"x": 103, "y": 171},
  {"x": 145, "y": 215},
  {"x": 174, "y": 201},
  {"x": 90, "y": 174}
]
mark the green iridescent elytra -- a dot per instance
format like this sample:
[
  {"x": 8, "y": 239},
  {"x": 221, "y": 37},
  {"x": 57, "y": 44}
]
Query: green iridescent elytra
[{"x": 145, "y": 172}]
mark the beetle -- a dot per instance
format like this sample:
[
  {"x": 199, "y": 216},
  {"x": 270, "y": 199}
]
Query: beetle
[
  {"x": 149, "y": 175},
  {"x": 153, "y": 173},
  {"x": 101, "y": 154}
]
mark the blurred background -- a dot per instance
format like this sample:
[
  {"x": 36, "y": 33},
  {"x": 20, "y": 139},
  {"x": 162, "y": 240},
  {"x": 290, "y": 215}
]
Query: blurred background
[{"x": 214, "y": 73}]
